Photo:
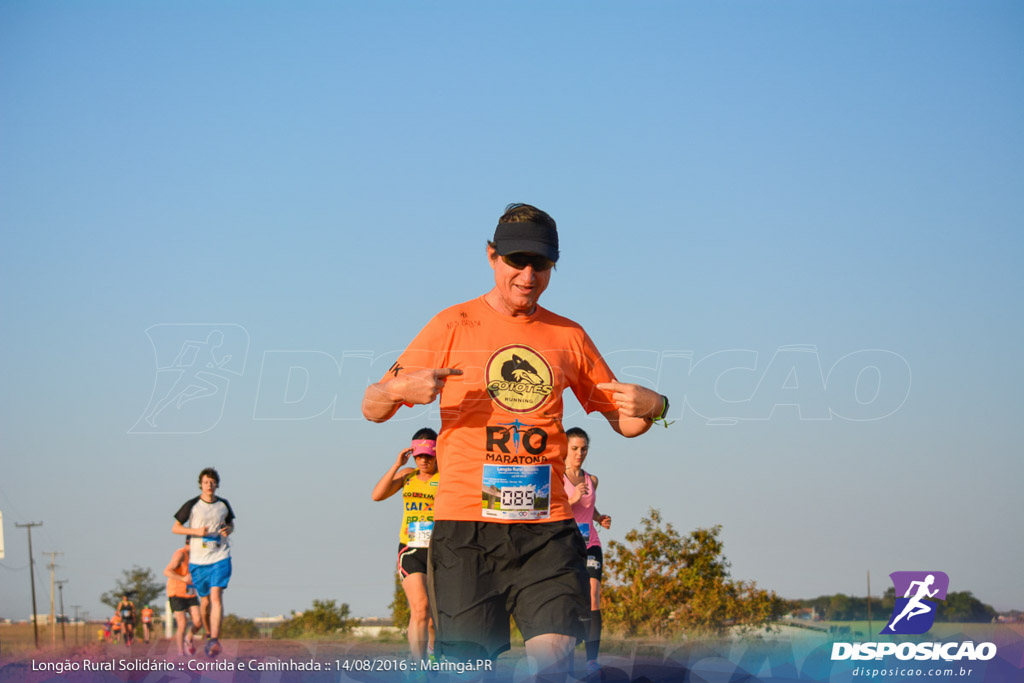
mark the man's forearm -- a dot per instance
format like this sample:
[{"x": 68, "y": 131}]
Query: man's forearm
[{"x": 379, "y": 403}]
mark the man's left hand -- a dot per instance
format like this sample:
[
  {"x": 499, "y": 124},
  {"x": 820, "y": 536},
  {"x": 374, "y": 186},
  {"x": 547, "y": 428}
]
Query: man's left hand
[{"x": 633, "y": 400}]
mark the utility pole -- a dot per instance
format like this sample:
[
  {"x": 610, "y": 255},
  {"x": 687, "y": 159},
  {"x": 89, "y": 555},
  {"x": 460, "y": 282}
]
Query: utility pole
[
  {"x": 63, "y": 617},
  {"x": 869, "y": 604},
  {"x": 32, "y": 576},
  {"x": 75, "y": 607},
  {"x": 53, "y": 608}
]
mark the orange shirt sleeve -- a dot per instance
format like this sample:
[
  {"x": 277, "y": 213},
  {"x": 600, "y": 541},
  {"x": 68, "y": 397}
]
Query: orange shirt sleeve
[
  {"x": 425, "y": 351},
  {"x": 593, "y": 370}
]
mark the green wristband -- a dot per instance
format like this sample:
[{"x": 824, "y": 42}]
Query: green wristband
[{"x": 664, "y": 411}]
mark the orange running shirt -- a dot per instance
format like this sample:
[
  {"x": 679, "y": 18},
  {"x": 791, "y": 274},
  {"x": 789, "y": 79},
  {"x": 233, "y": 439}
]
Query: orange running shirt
[
  {"x": 147, "y": 615},
  {"x": 501, "y": 450},
  {"x": 177, "y": 588}
]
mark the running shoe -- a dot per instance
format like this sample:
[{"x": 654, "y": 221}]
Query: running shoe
[
  {"x": 190, "y": 644},
  {"x": 415, "y": 676},
  {"x": 212, "y": 647},
  {"x": 593, "y": 668}
]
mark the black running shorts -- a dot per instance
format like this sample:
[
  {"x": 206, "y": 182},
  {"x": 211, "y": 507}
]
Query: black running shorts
[
  {"x": 411, "y": 560},
  {"x": 595, "y": 562},
  {"x": 480, "y": 573},
  {"x": 183, "y": 604}
]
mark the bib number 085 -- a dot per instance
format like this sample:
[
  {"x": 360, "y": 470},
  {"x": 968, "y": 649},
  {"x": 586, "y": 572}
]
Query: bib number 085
[{"x": 517, "y": 498}]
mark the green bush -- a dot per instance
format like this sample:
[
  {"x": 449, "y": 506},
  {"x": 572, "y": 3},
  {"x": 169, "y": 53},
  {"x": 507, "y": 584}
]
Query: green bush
[
  {"x": 234, "y": 626},
  {"x": 324, "y": 618}
]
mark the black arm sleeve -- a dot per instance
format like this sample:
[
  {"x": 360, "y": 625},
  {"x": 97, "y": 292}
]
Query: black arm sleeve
[
  {"x": 185, "y": 511},
  {"x": 231, "y": 513}
]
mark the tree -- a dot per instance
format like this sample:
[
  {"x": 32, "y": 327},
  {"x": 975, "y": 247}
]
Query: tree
[
  {"x": 141, "y": 586},
  {"x": 839, "y": 608},
  {"x": 234, "y": 626},
  {"x": 663, "y": 584},
  {"x": 325, "y": 617},
  {"x": 399, "y": 606},
  {"x": 888, "y": 601},
  {"x": 963, "y": 607},
  {"x": 960, "y": 607}
]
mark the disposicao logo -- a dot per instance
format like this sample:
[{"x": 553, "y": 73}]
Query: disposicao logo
[{"x": 914, "y": 613}]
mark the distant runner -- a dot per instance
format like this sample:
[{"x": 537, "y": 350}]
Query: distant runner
[
  {"x": 182, "y": 596},
  {"x": 581, "y": 487},
  {"x": 126, "y": 610},
  {"x": 418, "y": 487},
  {"x": 210, "y": 521},
  {"x": 115, "y": 627},
  {"x": 147, "y": 623}
]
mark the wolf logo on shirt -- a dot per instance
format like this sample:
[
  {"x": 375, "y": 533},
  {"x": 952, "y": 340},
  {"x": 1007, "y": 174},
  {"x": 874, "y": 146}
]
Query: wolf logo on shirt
[
  {"x": 518, "y": 378},
  {"x": 519, "y": 371}
]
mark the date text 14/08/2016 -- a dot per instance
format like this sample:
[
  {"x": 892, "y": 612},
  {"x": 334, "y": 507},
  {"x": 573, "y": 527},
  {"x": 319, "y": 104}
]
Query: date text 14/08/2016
[{"x": 406, "y": 665}]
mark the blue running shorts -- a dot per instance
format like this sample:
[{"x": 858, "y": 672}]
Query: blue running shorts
[{"x": 207, "y": 576}]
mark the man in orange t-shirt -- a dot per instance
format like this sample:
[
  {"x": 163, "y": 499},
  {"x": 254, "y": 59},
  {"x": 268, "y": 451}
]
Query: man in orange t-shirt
[
  {"x": 504, "y": 532},
  {"x": 182, "y": 596},
  {"x": 147, "y": 623}
]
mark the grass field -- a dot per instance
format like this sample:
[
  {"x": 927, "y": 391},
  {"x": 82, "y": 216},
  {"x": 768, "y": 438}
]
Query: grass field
[{"x": 19, "y": 640}]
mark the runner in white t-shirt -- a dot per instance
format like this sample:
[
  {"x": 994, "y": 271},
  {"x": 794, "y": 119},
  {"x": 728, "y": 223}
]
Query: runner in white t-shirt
[{"x": 209, "y": 521}]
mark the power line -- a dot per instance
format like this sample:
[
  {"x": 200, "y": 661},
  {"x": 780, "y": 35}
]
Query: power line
[{"x": 13, "y": 569}]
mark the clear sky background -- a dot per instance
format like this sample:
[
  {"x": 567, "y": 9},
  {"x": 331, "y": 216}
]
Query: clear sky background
[{"x": 820, "y": 203}]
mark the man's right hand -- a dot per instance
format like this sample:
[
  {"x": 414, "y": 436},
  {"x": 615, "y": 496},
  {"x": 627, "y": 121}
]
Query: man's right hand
[{"x": 422, "y": 386}]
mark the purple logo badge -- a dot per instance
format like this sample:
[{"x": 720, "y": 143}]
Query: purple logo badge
[{"x": 914, "y": 613}]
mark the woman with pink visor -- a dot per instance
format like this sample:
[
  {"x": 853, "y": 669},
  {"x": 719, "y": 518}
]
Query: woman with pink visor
[{"x": 418, "y": 486}]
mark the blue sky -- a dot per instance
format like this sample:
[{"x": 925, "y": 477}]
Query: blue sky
[{"x": 780, "y": 190}]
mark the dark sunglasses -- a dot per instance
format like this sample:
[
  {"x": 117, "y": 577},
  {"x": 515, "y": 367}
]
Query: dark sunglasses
[{"x": 521, "y": 260}]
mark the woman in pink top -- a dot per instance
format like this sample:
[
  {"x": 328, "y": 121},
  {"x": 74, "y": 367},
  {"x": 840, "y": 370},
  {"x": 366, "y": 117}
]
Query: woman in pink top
[{"x": 581, "y": 488}]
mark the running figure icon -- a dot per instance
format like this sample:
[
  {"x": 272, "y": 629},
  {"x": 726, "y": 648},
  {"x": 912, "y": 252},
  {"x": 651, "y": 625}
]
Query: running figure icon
[
  {"x": 921, "y": 590},
  {"x": 916, "y": 605},
  {"x": 196, "y": 362}
]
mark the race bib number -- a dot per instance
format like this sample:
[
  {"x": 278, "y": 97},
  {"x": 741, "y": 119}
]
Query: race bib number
[
  {"x": 585, "y": 530},
  {"x": 419, "y": 534},
  {"x": 126, "y": 614},
  {"x": 210, "y": 542},
  {"x": 517, "y": 491}
]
